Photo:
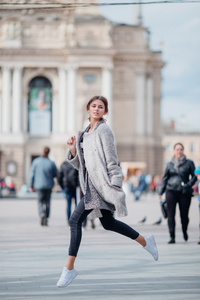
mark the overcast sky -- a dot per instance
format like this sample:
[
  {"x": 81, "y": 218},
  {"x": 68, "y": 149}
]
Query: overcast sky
[{"x": 175, "y": 29}]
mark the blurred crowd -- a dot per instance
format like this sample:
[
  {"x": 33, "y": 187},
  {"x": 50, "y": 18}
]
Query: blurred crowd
[
  {"x": 136, "y": 183},
  {"x": 7, "y": 186}
]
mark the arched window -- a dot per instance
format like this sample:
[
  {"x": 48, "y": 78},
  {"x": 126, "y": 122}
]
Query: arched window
[{"x": 40, "y": 107}]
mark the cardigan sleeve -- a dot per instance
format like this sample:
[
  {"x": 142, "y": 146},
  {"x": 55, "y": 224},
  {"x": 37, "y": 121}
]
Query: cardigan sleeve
[
  {"x": 110, "y": 152},
  {"x": 74, "y": 161}
]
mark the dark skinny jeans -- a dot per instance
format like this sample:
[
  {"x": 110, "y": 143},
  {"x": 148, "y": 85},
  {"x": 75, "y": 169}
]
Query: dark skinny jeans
[
  {"x": 108, "y": 222},
  {"x": 44, "y": 197},
  {"x": 172, "y": 198}
]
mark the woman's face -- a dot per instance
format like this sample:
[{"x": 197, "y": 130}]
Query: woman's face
[
  {"x": 178, "y": 151},
  {"x": 96, "y": 110}
]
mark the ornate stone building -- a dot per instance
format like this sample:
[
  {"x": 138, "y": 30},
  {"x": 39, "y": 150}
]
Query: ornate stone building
[{"x": 52, "y": 61}]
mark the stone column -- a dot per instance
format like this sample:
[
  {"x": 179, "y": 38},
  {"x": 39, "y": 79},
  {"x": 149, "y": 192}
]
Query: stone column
[
  {"x": 71, "y": 99},
  {"x": 140, "y": 104},
  {"x": 61, "y": 116},
  {"x": 25, "y": 114},
  {"x": 6, "y": 100},
  {"x": 149, "y": 107},
  {"x": 55, "y": 116},
  {"x": 106, "y": 90},
  {"x": 17, "y": 100}
]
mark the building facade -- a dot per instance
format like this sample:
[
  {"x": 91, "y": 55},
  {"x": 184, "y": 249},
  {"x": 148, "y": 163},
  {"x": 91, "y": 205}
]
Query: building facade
[{"x": 52, "y": 62}]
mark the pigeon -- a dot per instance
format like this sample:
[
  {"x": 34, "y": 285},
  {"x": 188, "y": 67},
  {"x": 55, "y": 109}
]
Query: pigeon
[
  {"x": 143, "y": 220},
  {"x": 158, "y": 222}
]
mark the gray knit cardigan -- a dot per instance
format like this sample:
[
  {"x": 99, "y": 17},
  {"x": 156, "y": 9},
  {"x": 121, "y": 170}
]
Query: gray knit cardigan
[{"x": 102, "y": 165}]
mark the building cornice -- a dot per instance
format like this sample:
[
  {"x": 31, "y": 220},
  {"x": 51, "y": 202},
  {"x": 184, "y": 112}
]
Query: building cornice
[
  {"x": 31, "y": 52},
  {"x": 146, "y": 58},
  {"x": 62, "y": 55}
]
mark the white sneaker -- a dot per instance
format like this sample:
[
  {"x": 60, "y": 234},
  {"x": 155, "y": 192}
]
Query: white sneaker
[
  {"x": 66, "y": 277},
  {"x": 151, "y": 246}
]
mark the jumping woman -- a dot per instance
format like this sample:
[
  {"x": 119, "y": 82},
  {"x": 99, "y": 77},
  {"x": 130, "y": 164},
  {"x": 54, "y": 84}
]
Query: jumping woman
[{"x": 94, "y": 155}]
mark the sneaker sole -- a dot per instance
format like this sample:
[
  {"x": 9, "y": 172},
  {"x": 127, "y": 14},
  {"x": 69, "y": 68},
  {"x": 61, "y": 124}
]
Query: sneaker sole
[{"x": 154, "y": 244}]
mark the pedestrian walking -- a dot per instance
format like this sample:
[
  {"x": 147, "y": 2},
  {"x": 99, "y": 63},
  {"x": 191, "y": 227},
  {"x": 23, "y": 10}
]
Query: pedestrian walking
[
  {"x": 197, "y": 173},
  {"x": 178, "y": 186},
  {"x": 94, "y": 155},
  {"x": 42, "y": 174},
  {"x": 68, "y": 180},
  {"x": 140, "y": 185}
]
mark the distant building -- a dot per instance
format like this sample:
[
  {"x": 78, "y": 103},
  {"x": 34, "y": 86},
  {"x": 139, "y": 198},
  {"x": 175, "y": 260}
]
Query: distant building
[{"x": 52, "y": 62}]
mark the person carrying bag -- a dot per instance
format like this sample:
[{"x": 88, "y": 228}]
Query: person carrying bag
[{"x": 177, "y": 181}]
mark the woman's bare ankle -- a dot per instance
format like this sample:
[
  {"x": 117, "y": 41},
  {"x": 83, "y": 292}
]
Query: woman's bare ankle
[
  {"x": 69, "y": 267},
  {"x": 70, "y": 263},
  {"x": 141, "y": 240}
]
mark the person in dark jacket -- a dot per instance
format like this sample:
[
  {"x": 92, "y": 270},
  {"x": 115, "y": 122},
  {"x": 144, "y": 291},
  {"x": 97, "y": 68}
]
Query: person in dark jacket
[
  {"x": 68, "y": 180},
  {"x": 177, "y": 181}
]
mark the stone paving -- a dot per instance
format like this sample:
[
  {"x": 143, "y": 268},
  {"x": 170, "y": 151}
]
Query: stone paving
[{"x": 110, "y": 266}]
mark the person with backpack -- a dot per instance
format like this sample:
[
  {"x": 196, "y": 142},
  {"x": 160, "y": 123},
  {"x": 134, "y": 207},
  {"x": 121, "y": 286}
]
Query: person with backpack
[{"x": 68, "y": 180}]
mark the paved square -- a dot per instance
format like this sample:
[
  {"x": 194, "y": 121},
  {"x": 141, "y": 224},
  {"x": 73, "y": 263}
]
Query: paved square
[{"x": 110, "y": 266}]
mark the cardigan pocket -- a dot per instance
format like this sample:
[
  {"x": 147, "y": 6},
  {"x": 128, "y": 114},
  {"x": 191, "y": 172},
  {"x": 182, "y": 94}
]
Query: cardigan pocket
[
  {"x": 116, "y": 187},
  {"x": 116, "y": 181}
]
